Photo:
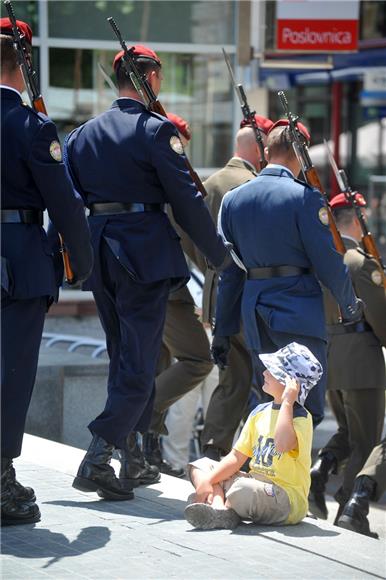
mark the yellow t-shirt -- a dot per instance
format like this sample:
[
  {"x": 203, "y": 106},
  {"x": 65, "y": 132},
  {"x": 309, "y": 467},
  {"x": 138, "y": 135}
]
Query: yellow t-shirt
[{"x": 290, "y": 470}]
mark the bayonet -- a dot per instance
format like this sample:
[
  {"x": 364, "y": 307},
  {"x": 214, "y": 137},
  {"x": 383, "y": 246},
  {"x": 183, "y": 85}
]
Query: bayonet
[{"x": 248, "y": 115}]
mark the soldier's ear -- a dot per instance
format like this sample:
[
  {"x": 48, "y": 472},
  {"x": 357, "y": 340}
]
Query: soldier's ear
[{"x": 266, "y": 152}]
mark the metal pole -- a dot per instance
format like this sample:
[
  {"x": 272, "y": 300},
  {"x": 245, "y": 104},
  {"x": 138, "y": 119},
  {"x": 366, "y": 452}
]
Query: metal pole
[{"x": 336, "y": 127}]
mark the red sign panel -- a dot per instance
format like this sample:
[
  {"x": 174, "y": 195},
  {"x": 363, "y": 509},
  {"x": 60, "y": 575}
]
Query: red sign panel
[{"x": 317, "y": 35}]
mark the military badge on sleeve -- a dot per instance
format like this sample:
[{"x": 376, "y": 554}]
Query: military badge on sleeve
[
  {"x": 376, "y": 277},
  {"x": 323, "y": 216},
  {"x": 55, "y": 151},
  {"x": 176, "y": 145}
]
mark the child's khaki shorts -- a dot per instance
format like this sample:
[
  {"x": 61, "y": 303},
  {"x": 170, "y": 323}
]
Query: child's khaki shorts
[{"x": 252, "y": 496}]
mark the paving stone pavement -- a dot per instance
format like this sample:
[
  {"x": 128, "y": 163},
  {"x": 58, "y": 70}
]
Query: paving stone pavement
[{"x": 81, "y": 536}]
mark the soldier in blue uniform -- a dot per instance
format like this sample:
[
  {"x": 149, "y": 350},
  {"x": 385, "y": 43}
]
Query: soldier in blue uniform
[
  {"x": 127, "y": 163},
  {"x": 278, "y": 227},
  {"x": 33, "y": 178}
]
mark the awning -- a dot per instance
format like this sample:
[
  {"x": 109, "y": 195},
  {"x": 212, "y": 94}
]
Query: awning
[{"x": 346, "y": 67}]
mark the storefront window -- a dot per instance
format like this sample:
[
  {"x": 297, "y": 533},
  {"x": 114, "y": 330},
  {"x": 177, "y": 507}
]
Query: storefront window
[
  {"x": 185, "y": 21},
  {"x": 195, "y": 87},
  {"x": 372, "y": 20}
]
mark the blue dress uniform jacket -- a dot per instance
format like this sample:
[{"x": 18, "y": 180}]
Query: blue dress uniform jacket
[
  {"x": 129, "y": 155},
  {"x": 32, "y": 178},
  {"x": 276, "y": 220},
  {"x": 150, "y": 171}
]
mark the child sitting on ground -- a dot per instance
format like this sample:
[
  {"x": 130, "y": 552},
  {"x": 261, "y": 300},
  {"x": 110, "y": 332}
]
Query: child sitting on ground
[{"x": 277, "y": 437}]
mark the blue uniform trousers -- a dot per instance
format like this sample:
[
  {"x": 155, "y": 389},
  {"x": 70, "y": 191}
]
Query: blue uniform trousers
[
  {"x": 132, "y": 315},
  {"x": 272, "y": 340},
  {"x": 21, "y": 332}
]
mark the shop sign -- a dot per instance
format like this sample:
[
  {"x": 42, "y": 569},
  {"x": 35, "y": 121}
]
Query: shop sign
[{"x": 317, "y": 25}]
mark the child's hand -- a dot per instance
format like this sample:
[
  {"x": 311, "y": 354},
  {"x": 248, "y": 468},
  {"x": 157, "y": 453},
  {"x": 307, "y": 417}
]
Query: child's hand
[
  {"x": 204, "y": 492},
  {"x": 291, "y": 390}
]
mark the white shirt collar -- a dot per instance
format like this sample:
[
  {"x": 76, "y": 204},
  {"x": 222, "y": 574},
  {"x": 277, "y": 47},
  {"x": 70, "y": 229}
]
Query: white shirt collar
[
  {"x": 246, "y": 162},
  {"x": 10, "y": 89},
  {"x": 278, "y": 166}
]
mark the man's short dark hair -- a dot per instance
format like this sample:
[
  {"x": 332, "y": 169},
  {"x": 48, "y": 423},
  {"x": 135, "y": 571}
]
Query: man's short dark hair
[
  {"x": 344, "y": 215},
  {"x": 144, "y": 65},
  {"x": 8, "y": 54},
  {"x": 279, "y": 142}
]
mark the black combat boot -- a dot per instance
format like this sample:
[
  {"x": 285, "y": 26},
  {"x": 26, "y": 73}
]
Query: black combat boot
[
  {"x": 342, "y": 498},
  {"x": 354, "y": 515},
  {"x": 325, "y": 465},
  {"x": 135, "y": 470},
  {"x": 153, "y": 454},
  {"x": 14, "y": 511},
  {"x": 20, "y": 492},
  {"x": 96, "y": 474}
]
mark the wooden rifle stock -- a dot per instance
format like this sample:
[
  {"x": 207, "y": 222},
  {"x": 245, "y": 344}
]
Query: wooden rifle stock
[
  {"x": 39, "y": 105},
  {"x": 312, "y": 178}
]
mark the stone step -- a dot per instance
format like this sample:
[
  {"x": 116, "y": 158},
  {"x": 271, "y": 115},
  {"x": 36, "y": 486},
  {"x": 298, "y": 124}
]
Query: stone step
[{"x": 81, "y": 536}]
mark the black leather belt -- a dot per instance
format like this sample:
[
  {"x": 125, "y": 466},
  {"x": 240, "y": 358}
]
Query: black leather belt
[
  {"x": 360, "y": 326},
  {"x": 116, "y": 208},
  {"x": 276, "y": 272},
  {"x": 22, "y": 216}
]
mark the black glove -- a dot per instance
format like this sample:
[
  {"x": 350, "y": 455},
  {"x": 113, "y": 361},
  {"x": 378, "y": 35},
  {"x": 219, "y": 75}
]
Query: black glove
[
  {"x": 356, "y": 312},
  {"x": 219, "y": 350}
]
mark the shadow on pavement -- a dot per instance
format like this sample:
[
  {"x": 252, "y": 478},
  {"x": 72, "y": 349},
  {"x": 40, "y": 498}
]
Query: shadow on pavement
[
  {"x": 302, "y": 530},
  {"x": 165, "y": 509},
  {"x": 42, "y": 543}
]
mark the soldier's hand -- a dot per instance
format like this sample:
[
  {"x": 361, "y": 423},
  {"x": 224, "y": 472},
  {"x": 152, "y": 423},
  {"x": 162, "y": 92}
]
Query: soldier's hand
[
  {"x": 356, "y": 312},
  {"x": 219, "y": 350}
]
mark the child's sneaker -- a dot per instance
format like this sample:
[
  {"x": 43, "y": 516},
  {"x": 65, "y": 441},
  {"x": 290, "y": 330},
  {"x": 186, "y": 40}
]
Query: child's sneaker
[{"x": 205, "y": 517}]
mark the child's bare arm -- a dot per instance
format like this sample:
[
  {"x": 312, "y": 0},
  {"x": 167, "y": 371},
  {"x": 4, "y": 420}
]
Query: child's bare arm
[
  {"x": 228, "y": 466},
  {"x": 285, "y": 435}
]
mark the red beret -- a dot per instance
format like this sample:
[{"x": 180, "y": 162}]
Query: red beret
[
  {"x": 181, "y": 125},
  {"x": 139, "y": 51},
  {"x": 263, "y": 124},
  {"x": 6, "y": 28},
  {"x": 284, "y": 123},
  {"x": 340, "y": 200}
]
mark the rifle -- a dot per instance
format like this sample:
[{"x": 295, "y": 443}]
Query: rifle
[
  {"x": 367, "y": 238},
  {"x": 148, "y": 96},
  {"x": 309, "y": 171},
  {"x": 37, "y": 103},
  {"x": 248, "y": 115}
]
